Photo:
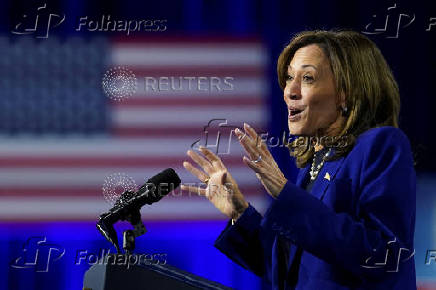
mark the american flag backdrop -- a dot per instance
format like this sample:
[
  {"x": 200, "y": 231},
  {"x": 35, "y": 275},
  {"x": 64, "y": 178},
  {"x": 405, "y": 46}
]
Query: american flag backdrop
[{"x": 61, "y": 136}]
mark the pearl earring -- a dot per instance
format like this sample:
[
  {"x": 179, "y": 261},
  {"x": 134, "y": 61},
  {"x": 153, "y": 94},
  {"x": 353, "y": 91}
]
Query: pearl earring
[{"x": 344, "y": 109}]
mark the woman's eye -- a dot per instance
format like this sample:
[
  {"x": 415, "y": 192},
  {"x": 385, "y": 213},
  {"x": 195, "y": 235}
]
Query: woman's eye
[
  {"x": 308, "y": 78},
  {"x": 289, "y": 78}
]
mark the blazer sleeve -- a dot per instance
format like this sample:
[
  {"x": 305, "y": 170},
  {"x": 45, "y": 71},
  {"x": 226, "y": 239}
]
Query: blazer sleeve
[
  {"x": 248, "y": 243},
  {"x": 380, "y": 228}
]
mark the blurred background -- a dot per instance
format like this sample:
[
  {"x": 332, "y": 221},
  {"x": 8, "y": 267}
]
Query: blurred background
[{"x": 80, "y": 103}]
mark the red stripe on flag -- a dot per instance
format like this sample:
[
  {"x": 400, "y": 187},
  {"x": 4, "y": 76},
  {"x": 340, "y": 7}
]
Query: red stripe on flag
[
  {"x": 168, "y": 40},
  {"x": 70, "y": 192},
  {"x": 141, "y": 132},
  {"x": 198, "y": 71},
  {"x": 101, "y": 161},
  {"x": 235, "y": 101}
]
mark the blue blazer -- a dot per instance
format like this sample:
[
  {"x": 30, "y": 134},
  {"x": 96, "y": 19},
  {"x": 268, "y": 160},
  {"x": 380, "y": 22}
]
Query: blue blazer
[{"x": 355, "y": 229}]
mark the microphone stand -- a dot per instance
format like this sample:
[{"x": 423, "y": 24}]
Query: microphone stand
[
  {"x": 129, "y": 235},
  {"x": 127, "y": 212}
]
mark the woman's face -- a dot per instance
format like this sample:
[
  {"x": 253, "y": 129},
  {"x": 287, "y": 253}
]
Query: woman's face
[{"x": 310, "y": 94}]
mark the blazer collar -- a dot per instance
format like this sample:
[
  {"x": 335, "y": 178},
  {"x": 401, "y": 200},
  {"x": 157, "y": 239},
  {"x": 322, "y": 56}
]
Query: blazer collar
[{"x": 325, "y": 176}]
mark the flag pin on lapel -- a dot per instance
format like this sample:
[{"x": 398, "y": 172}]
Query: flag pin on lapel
[{"x": 327, "y": 176}]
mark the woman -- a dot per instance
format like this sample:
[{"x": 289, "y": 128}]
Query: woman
[{"x": 348, "y": 221}]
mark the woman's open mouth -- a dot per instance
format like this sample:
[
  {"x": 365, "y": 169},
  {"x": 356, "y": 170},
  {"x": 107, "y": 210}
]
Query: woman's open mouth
[{"x": 294, "y": 114}]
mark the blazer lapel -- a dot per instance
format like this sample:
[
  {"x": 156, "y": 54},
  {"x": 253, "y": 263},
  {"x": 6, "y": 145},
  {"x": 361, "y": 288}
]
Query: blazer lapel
[
  {"x": 302, "y": 174},
  {"x": 325, "y": 176}
]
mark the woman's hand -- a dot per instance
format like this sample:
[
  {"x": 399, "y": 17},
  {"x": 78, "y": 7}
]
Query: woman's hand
[
  {"x": 266, "y": 167},
  {"x": 222, "y": 190}
]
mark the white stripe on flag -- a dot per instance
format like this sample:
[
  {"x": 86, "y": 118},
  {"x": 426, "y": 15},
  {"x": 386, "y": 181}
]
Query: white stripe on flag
[
  {"x": 79, "y": 177},
  {"x": 91, "y": 208},
  {"x": 188, "y": 54},
  {"x": 185, "y": 116},
  {"x": 107, "y": 147}
]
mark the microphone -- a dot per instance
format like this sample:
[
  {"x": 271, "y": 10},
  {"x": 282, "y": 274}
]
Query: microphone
[
  {"x": 152, "y": 191},
  {"x": 128, "y": 206}
]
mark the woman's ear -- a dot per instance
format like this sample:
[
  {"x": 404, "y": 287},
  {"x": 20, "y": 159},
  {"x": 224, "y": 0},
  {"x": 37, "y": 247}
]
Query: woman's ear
[
  {"x": 342, "y": 100},
  {"x": 343, "y": 103}
]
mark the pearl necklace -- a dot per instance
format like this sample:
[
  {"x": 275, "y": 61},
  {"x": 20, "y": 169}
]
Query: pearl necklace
[{"x": 314, "y": 172}]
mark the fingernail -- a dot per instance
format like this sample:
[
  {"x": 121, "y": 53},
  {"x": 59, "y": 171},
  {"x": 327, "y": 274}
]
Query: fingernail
[
  {"x": 248, "y": 126},
  {"x": 238, "y": 131}
]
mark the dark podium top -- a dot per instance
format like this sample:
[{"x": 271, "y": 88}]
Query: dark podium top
[{"x": 110, "y": 276}]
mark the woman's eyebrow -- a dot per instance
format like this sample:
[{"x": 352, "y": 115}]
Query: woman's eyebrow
[
  {"x": 303, "y": 66},
  {"x": 308, "y": 65}
]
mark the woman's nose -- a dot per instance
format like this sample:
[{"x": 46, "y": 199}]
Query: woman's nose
[{"x": 292, "y": 91}]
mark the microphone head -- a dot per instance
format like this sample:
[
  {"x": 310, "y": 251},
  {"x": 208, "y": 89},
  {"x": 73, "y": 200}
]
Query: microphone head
[
  {"x": 128, "y": 204},
  {"x": 159, "y": 185},
  {"x": 168, "y": 176}
]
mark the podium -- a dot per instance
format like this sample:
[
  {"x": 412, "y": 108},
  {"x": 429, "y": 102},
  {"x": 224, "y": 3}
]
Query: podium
[{"x": 144, "y": 276}]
